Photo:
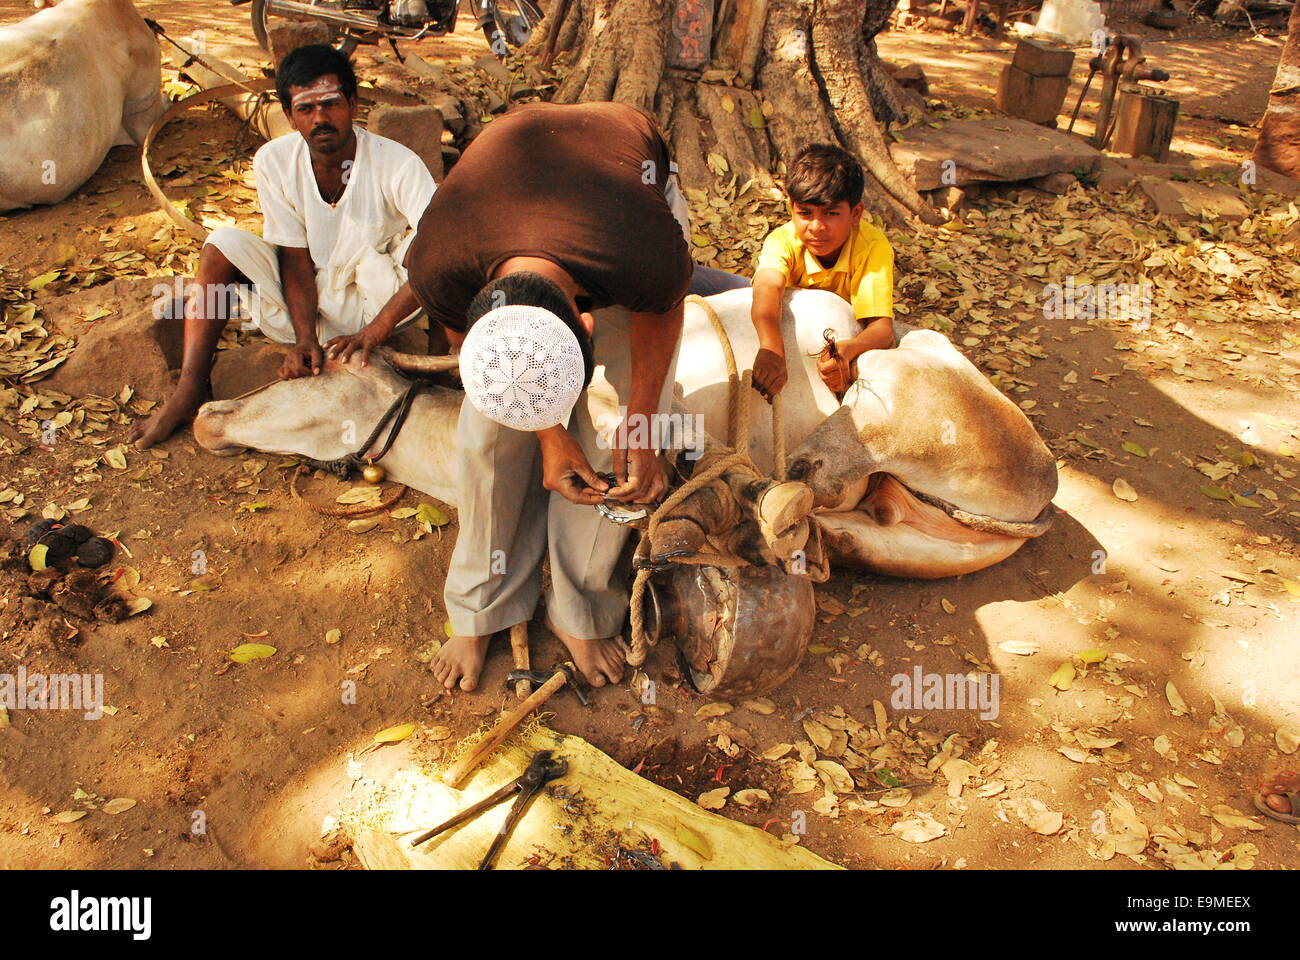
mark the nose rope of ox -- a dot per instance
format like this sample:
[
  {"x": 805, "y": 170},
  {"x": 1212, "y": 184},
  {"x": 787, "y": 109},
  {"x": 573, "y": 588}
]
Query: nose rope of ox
[{"x": 541, "y": 770}]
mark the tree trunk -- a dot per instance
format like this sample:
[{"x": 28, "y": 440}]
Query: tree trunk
[
  {"x": 784, "y": 73},
  {"x": 1278, "y": 147}
]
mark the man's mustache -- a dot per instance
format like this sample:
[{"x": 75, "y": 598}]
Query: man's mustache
[{"x": 323, "y": 129}]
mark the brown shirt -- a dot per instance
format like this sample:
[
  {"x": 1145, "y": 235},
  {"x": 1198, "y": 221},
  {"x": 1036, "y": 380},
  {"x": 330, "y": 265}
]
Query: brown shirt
[{"x": 579, "y": 184}]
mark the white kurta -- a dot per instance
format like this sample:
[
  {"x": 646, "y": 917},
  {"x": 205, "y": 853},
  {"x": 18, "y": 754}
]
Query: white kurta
[{"x": 357, "y": 243}]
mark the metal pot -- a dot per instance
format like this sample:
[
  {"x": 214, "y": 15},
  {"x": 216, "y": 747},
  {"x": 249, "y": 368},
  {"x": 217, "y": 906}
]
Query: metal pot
[{"x": 740, "y": 630}]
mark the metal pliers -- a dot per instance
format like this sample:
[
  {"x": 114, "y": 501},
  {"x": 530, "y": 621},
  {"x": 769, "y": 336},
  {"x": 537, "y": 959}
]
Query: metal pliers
[{"x": 541, "y": 770}]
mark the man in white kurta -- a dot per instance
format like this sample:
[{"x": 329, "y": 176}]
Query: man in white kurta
[
  {"x": 339, "y": 209},
  {"x": 357, "y": 244}
]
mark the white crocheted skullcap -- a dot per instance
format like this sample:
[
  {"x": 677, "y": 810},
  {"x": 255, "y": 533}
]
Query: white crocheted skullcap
[{"x": 522, "y": 367}]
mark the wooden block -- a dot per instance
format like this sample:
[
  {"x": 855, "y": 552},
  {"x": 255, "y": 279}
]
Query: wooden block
[
  {"x": 1037, "y": 99},
  {"x": 1043, "y": 59},
  {"x": 1144, "y": 121}
]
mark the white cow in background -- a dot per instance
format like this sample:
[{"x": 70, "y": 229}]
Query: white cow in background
[{"x": 75, "y": 80}]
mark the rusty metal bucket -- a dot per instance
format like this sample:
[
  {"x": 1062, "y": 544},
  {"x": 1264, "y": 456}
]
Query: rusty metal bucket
[{"x": 740, "y": 630}]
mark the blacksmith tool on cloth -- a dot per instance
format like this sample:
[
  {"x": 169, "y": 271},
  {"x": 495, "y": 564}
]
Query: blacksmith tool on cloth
[
  {"x": 541, "y": 770},
  {"x": 541, "y": 676},
  {"x": 565, "y": 673}
]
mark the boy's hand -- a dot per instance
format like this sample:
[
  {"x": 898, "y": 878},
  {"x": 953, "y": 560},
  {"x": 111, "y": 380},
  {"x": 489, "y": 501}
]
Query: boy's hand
[
  {"x": 770, "y": 374},
  {"x": 833, "y": 365}
]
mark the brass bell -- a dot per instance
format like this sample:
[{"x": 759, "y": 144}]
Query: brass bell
[{"x": 373, "y": 473}]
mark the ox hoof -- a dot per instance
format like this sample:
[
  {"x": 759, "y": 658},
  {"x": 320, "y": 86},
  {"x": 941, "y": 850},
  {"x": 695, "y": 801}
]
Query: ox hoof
[{"x": 782, "y": 507}]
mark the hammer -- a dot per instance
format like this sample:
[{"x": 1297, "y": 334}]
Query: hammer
[{"x": 459, "y": 772}]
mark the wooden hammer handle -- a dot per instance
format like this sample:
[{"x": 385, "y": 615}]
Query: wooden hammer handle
[
  {"x": 459, "y": 772},
  {"x": 519, "y": 646}
]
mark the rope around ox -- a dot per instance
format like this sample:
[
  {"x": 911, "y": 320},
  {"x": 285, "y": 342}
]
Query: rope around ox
[{"x": 735, "y": 454}]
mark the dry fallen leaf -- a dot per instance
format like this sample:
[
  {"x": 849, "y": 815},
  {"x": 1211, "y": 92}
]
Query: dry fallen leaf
[
  {"x": 714, "y": 799},
  {"x": 1063, "y": 677},
  {"x": 1035, "y": 815},
  {"x": 118, "y": 805},
  {"x": 834, "y": 776},
  {"x": 747, "y": 798},
  {"x": 251, "y": 651},
  {"x": 1229, "y": 817},
  {"x": 712, "y": 710},
  {"x": 919, "y": 829},
  {"x": 1288, "y": 740},
  {"x": 898, "y": 797},
  {"x": 1124, "y": 490},
  {"x": 69, "y": 816},
  {"x": 1176, "y": 701},
  {"x": 1022, "y": 648},
  {"x": 395, "y": 734}
]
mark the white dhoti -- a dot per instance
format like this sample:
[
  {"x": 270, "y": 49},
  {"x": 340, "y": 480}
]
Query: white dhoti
[{"x": 348, "y": 295}]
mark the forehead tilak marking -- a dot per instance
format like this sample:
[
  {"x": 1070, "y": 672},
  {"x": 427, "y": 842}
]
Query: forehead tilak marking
[{"x": 318, "y": 90}]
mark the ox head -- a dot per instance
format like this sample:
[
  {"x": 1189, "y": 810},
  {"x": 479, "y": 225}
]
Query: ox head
[
  {"x": 832, "y": 460},
  {"x": 323, "y": 417}
]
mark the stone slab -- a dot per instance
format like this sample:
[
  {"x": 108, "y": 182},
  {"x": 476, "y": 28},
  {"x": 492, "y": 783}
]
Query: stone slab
[
  {"x": 419, "y": 128},
  {"x": 287, "y": 37},
  {"x": 999, "y": 149},
  {"x": 1190, "y": 200}
]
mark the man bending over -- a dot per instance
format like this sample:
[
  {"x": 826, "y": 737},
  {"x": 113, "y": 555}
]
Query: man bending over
[{"x": 552, "y": 212}]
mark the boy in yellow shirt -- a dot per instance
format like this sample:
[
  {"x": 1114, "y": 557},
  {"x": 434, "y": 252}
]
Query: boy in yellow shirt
[{"x": 825, "y": 246}]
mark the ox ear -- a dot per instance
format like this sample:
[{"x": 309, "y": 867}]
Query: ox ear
[{"x": 416, "y": 363}]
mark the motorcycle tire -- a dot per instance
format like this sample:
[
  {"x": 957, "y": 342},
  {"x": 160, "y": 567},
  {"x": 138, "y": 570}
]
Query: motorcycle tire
[
  {"x": 345, "y": 44},
  {"x": 496, "y": 40}
]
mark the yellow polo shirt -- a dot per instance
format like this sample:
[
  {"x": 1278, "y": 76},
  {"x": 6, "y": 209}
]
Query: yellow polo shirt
[{"x": 863, "y": 274}]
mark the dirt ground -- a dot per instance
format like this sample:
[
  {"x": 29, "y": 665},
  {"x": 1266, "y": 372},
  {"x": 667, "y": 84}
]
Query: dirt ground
[{"x": 1181, "y": 590}]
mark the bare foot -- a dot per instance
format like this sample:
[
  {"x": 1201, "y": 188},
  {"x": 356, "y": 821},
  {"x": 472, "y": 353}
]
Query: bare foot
[
  {"x": 460, "y": 659},
  {"x": 601, "y": 661},
  {"x": 179, "y": 409}
]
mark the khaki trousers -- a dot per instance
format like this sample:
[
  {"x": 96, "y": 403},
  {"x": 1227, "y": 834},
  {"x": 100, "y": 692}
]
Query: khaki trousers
[{"x": 509, "y": 522}]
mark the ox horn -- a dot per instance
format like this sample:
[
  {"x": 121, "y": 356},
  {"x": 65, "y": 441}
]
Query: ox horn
[{"x": 415, "y": 363}]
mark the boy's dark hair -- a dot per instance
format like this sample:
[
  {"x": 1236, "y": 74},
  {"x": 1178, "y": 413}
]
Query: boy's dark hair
[
  {"x": 533, "y": 290},
  {"x": 302, "y": 66},
  {"x": 823, "y": 174}
]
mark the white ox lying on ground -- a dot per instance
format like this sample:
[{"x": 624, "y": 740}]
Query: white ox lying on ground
[
  {"x": 927, "y": 470},
  {"x": 75, "y": 80}
]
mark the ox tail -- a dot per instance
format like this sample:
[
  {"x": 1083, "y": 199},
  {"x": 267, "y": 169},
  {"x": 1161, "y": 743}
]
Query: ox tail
[
  {"x": 1011, "y": 528},
  {"x": 977, "y": 521}
]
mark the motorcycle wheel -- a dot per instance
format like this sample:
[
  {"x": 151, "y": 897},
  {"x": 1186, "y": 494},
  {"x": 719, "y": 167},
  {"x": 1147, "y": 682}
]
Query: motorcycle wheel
[
  {"x": 345, "y": 44},
  {"x": 514, "y": 24}
]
